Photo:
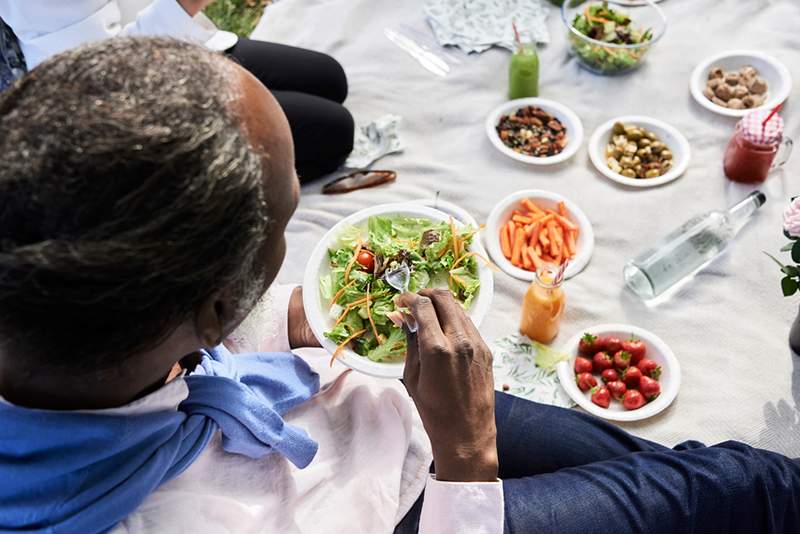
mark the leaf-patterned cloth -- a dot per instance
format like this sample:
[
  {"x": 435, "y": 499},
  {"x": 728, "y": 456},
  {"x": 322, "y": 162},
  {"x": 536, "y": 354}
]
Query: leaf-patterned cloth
[
  {"x": 515, "y": 367},
  {"x": 477, "y": 25}
]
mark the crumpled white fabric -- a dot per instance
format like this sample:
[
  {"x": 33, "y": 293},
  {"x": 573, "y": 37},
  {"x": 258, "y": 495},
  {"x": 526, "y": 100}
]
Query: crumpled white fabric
[
  {"x": 375, "y": 140},
  {"x": 477, "y": 25}
]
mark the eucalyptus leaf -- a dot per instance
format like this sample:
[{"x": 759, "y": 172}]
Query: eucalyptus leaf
[
  {"x": 789, "y": 286},
  {"x": 791, "y": 270},
  {"x": 796, "y": 252}
]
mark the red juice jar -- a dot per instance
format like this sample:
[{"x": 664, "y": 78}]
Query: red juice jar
[{"x": 752, "y": 151}]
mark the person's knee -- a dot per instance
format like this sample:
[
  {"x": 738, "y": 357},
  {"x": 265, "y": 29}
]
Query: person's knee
[
  {"x": 335, "y": 79},
  {"x": 343, "y": 127}
]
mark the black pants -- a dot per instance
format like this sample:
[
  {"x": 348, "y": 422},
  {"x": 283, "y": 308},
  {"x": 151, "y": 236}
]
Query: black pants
[{"x": 310, "y": 87}]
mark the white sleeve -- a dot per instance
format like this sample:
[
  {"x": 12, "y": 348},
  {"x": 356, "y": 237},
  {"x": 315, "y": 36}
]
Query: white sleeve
[
  {"x": 463, "y": 507},
  {"x": 166, "y": 17},
  {"x": 266, "y": 328},
  {"x": 47, "y": 27}
]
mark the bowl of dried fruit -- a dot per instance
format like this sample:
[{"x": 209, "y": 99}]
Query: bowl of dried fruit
[
  {"x": 735, "y": 83},
  {"x": 535, "y": 130},
  {"x": 639, "y": 151}
]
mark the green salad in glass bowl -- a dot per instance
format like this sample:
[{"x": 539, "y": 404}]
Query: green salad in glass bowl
[
  {"x": 350, "y": 303},
  {"x": 612, "y": 37}
]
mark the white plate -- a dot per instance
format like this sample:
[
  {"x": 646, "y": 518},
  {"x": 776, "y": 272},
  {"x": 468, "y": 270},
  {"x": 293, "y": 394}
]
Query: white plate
[
  {"x": 568, "y": 118},
  {"x": 502, "y": 213},
  {"x": 775, "y": 73},
  {"x": 657, "y": 351},
  {"x": 318, "y": 265},
  {"x": 675, "y": 141},
  {"x": 458, "y": 213}
]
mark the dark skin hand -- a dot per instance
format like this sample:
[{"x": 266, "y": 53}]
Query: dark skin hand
[
  {"x": 300, "y": 333},
  {"x": 448, "y": 374}
]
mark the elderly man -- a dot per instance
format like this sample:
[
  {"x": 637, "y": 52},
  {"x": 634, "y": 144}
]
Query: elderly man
[{"x": 146, "y": 186}]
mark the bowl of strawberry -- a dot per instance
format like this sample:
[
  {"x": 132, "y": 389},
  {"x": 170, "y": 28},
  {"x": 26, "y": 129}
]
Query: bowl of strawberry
[{"x": 620, "y": 372}]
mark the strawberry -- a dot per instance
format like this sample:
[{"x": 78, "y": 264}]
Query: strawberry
[
  {"x": 649, "y": 368},
  {"x": 601, "y": 396},
  {"x": 588, "y": 344},
  {"x": 633, "y": 400},
  {"x": 631, "y": 377},
  {"x": 650, "y": 388},
  {"x": 585, "y": 381},
  {"x": 610, "y": 344},
  {"x": 617, "y": 389},
  {"x": 622, "y": 360},
  {"x": 583, "y": 365},
  {"x": 609, "y": 375},
  {"x": 602, "y": 361},
  {"x": 636, "y": 348}
]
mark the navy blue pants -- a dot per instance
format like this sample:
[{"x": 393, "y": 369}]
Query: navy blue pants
[{"x": 567, "y": 472}]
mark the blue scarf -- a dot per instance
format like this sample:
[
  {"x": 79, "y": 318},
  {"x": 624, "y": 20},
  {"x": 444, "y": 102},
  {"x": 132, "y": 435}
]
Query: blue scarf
[{"x": 71, "y": 471}]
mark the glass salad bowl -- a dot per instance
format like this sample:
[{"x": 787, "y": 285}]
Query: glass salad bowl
[{"x": 612, "y": 37}]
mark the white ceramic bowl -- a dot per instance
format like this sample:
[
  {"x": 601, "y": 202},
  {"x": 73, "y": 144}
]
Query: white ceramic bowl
[
  {"x": 502, "y": 213},
  {"x": 318, "y": 265},
  {"x": 775, "y": 73},
  {"x": 567, "y": 117},
  {"x": 459, "y": 214},
  {"x": 676, "y": 141},
  {"x": 657, "y": 351}
]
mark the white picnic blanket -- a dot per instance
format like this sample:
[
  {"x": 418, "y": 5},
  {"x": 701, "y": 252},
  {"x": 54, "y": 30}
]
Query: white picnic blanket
[{"x": 728, "y": 328}]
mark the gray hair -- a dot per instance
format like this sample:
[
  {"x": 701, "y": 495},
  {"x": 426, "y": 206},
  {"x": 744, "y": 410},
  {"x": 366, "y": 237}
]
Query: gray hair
[{"x": 130, "y": 193}]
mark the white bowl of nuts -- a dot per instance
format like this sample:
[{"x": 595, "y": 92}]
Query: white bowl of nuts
[
  {"x": 639, "y": 151},
  {"x": 737, "y": 82},
  {"x": 535, "y": 130}
]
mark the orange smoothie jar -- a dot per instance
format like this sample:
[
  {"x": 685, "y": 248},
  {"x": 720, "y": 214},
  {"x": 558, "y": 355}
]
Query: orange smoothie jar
[{"x": 543, "y": 304}]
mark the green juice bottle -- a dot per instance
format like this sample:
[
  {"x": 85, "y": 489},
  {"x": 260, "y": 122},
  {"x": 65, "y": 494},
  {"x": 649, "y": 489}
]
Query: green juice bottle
[{"x": 523, "y": 72}]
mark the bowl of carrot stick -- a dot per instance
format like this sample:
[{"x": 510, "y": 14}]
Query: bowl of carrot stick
[{"x": 533, "y": 226}]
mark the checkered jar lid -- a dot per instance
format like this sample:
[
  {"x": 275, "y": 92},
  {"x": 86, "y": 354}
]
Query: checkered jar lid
[{"x": 764, "y": 134}]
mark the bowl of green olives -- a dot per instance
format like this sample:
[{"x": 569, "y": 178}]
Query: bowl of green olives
[{"x": 639, "y": 151}]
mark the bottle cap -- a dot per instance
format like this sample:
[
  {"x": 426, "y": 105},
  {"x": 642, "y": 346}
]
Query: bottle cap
[{"x": 754, "y": 129}]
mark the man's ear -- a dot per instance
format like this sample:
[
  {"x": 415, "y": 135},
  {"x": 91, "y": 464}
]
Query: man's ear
[{"x": 213, "y": 315}]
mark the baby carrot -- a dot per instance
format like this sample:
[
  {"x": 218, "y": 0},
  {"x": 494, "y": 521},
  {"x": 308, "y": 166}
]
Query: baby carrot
[
  {"x": 521, "y": 219},
  {"x": 530, "y": 206},
  {"x": 538, "y": 249},
  {"x": 563, "y": 221},
  {"x": 519, "y": 240},
  {"x": 543, "y": 238},
  {"x": 512, "y": 228},
  {"x": 535, "y": 259},
  {"x": 562, "y": 209},
  {"x": 571, "y": 243},
  {"x": 534, "y": 237},
  {"x": 526, "y": 259},
  {"x": 551, "y": 234},
  {"x": 505, "y": 242}
]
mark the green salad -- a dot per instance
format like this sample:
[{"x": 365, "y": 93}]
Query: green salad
[
  {"x": 601, "y": 23},
  {"x": 360, "y": 298}
]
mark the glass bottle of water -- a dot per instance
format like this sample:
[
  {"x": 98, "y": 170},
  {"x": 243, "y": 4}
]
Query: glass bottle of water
[{"x": 688, "y": 249}]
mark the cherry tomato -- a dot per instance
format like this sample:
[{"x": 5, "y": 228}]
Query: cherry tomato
[{"x": 366, "y": 259}]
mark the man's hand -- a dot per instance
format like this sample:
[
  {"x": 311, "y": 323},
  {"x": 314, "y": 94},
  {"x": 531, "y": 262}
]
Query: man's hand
[
  {"x": 300, "y": 334},
  {"x": 448, "y": 373},
  {"x": 193, "y": 7}
]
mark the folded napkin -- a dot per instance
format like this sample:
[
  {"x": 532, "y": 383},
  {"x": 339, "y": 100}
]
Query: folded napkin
[
  {"x": 477, "y": 25},
  {"x": 375, "y": 140},
  {"x": 527, "y": 369}
]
